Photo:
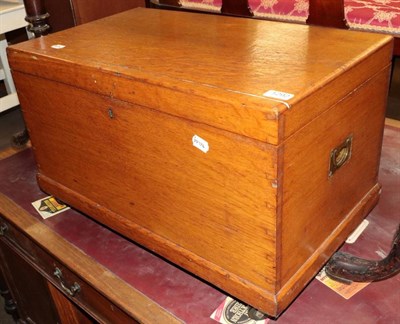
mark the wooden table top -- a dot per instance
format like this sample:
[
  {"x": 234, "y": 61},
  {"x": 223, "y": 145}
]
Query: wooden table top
[{"x": 188, "y": 299}]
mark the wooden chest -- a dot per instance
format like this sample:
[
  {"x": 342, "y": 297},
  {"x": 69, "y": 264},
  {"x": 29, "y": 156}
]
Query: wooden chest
[{"x": 244, "y": 151}]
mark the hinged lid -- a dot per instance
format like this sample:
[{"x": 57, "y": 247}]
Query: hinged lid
[{"x": 252, "y": 77}]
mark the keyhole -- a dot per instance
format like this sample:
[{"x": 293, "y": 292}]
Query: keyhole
[{"x": 110, "y": 113}]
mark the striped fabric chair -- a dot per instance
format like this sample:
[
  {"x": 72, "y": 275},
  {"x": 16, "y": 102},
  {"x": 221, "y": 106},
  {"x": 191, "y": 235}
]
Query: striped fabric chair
[
  {"x": 382, "y": 16},
  {"x": 206, "y": 5},
  {"x": 374, "y": 15},
  {"x": 284, "y": 10}
]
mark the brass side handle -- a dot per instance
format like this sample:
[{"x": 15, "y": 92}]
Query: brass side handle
[
  {"x": 340, "y": 155},
  {"x": 71, "y": 291}
]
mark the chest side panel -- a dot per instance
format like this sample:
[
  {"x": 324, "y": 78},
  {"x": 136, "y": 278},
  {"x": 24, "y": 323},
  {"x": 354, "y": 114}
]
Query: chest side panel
[
  {"x": 142, "y": 165},
  {"x": 316, "y": 205}
]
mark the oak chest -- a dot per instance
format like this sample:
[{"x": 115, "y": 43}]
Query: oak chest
[{"x": 244, "y": 151}]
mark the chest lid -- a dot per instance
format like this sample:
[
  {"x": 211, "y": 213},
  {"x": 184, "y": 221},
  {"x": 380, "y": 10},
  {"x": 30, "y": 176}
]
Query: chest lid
[{"x": 251, "y": 77}]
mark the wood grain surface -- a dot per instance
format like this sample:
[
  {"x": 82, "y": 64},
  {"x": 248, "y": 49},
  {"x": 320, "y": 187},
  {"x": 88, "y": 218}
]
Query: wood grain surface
[
  {"x": 93, "y": 273},
  {"x": 215, "y": 75},
  {"x": 112, "y": 117}
]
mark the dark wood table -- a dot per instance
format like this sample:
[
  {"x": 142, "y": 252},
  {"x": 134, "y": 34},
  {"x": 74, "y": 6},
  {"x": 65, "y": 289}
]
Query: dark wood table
[{"x": 121, "y": 280}]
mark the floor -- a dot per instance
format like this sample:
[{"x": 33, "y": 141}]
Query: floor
[{"x": 12, "y": 122}]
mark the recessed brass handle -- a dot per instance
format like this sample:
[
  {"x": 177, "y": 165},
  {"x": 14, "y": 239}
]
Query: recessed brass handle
[
  {"x": 340, "y": 155},
  {"x": 75, "y": 288}
]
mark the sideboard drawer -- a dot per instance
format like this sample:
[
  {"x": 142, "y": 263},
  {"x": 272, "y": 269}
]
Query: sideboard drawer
[
  {"x": 81, "y": 292},
  {"x": 73, "y": 286}
]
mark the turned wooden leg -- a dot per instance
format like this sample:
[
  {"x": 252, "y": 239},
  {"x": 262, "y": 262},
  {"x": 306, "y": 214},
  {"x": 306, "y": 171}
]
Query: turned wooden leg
[
  {"x": 36, "y": 16},
  {"x": 347, "y": 268},
  {"x": 9, "y": 303},
  {"x": 236, "y": 7},
  {"x": 21, "y": 138},
  {"x": 328, "y": 13}
]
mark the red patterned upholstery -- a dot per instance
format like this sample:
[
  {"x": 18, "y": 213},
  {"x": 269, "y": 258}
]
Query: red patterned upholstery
[
  {"x": 290, "y": 10},
  {"x": 374, "y": 15},
  {"x": 369, "y": 15},
  {"x": 211, "y": 5},
  {"x": 382, "y": 16}
]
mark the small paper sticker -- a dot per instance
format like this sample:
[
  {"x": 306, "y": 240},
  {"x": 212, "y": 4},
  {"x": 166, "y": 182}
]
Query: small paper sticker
[
  {"x": 344, "y": 290},
  {"x": 231, "y": 311},
  {"x": 49, "y": 206},
  {"x": 200, "y": 143},
  {"x": 357, "y": 232},
  {"x": 278, "y": 95},
  {"x": 57, "y": 46}
]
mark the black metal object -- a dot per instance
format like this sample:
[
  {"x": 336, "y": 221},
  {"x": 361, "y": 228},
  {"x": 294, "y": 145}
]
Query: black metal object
[{"x": 347, "y": 268}]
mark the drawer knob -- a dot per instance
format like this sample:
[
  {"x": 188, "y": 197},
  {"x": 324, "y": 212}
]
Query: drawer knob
[
  {"x": 75, "y": 288},
  {"x": 3, "y": 229}
]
